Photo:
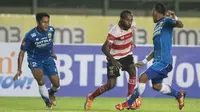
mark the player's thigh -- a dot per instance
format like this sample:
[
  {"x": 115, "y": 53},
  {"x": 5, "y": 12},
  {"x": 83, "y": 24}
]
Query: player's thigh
[
  {"x": 152, "y": 74},
  {"x": 50, "y": 68},
  {"x": 158, "y": 71},
  {"x": 160, "y": 75},
  {"x": 162, "y": 67},
  {"x": 51, "y": 71},
  {"x": 128, "y": 65},
  {"x": 112, "y": 75},
  {"x": 111, "y": 82},
  {"x": 55, "y": 80},
  {"x": 37, "y": 70},
  {"x": 157, "y": 83},
  {"x": 38, "y": 75},
  {"x": 143, "y": 78},
  {"x": 111, "y": 72},
  {"x": 131, "y": 70},
  {"x": 156, "y": 78}
]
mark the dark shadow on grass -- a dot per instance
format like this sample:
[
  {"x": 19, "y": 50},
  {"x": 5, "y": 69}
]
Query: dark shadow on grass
[{"x": 68, "y": 110}]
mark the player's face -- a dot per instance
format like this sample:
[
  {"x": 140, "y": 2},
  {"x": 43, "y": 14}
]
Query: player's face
[
  {"x": 154, "y": 15},
  {"x": 127, "y": 21},
  {"x": 44, "y": 23}
]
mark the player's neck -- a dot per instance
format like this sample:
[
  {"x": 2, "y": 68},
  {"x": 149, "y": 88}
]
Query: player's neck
[
  {"x": 159, "y": 17},
  {"x": 121, "y": 26},
  {"x": 40, "y": 30}
]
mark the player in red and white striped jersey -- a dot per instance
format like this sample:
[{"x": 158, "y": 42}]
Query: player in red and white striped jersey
[
  {"x": 118, "y": 50},
  {"x": 121, "y": 41}
]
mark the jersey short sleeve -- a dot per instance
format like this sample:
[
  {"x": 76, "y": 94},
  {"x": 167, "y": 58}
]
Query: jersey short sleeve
[
  {"x": 111, "y": 34},
  {"x": 170, "y": 22},
  {"x": 134, "y": 23},
  {"x": 52, "y": 30},
  {"x": 25, "y": 43},
  {"x": 133, "y": 27}
]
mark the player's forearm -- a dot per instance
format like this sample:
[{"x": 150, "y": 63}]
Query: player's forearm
[
  {"x": 179, "y": 24},
  {"x": 53, "y": 51},
  {"x": 149, "y": 57},
  {"x": 20, "y": 60},
  {"x": 106, "y": 51}
]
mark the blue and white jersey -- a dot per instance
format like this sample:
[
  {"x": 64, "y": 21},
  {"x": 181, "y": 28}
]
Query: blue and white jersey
[
  {"x": 162, "y": 40},
  {"x": 38, "y": 45}
]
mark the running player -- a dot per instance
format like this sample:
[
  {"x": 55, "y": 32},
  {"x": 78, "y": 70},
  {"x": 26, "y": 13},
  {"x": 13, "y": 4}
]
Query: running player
[
  {"x": 118, "y": 50},
  {"x": 162, "y": 64},
  {"x": 38, "y": 43}
]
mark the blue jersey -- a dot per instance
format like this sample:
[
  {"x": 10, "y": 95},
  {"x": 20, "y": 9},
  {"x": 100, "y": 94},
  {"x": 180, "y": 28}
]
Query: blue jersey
[
  {"x": 162, "y": 40},
  {"x": 38, "y": 45}
]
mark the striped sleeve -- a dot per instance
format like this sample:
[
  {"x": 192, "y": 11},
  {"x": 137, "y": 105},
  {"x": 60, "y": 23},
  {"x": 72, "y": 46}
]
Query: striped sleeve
[{"x": 111, "y": 35}]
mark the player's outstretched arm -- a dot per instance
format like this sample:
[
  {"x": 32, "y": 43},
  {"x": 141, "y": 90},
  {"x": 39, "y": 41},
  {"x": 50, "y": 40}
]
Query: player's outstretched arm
[
  {"x": 54, "y": 54},
  {"x": 19, "y": 69},
  {"x": 150, "y": 56},
  {"x": 145, "y": 61},
  {"x": 105, "y": 49},
  {"x": 178, "y": 23}
]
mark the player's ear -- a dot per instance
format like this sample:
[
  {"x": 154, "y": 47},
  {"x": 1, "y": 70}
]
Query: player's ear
[
  {"x": 37, "y": 22},
  {"x": 121, "y": 19}
]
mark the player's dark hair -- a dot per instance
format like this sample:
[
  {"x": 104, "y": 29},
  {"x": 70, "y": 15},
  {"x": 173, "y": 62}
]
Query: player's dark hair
[
  {"x": 124, "y": 13},
  {"x": 160, "y": 7},
  {"x": 39, "y": 16}
]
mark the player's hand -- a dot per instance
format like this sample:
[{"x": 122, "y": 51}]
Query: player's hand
[
  {"x": 54, "y": 56},
  {"x": 139, "y": 64},
  {"x": 171, "y": 14},
  {"x": 117, "y": 65},
  {"x": 18, "y": 74}
]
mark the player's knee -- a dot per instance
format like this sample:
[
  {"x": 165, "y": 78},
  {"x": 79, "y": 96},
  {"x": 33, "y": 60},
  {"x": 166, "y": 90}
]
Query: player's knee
[
  {"x": 132, "y": 71},
  {"x": 55, "y": 82},
  {"x": 41, "y": 82},
  {"x": 56, "y": 85},
  {"x": 143, "y": 78},
  {"x": 111, "y": 86},
  {"x": 157, "y": 87}
]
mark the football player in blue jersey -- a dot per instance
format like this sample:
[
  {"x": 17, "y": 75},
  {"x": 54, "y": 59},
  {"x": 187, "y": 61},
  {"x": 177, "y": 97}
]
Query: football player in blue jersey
[
  {"x": 38, "y": 43},
  {"x": 162, "y": 64}
]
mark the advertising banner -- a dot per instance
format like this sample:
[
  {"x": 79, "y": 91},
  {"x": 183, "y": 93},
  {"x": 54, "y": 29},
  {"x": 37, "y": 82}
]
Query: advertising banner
[
  {"x": 93, "y": 29},
  {"x": 82, "y": 68}
]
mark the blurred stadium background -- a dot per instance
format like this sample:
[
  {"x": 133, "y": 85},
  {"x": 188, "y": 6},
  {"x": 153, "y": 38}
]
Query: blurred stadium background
[{"x": 81, "y": 28}]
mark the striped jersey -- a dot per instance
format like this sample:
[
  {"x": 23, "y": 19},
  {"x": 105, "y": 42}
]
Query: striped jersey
[{"x": 122, "y": 41}]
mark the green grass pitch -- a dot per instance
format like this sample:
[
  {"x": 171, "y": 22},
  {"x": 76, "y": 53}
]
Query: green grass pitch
[{"x": 101, "y": 104}]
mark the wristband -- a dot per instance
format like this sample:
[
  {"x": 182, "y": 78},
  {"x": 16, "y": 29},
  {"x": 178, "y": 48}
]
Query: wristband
[
  {"x": 145, "y": 61},
  {"x": 176, "y": 18}
]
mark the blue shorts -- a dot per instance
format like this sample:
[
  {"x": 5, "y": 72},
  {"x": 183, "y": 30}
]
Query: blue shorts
[
  {"x": 48, "y": 66},
  {"x": 158, "y": 71}
]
